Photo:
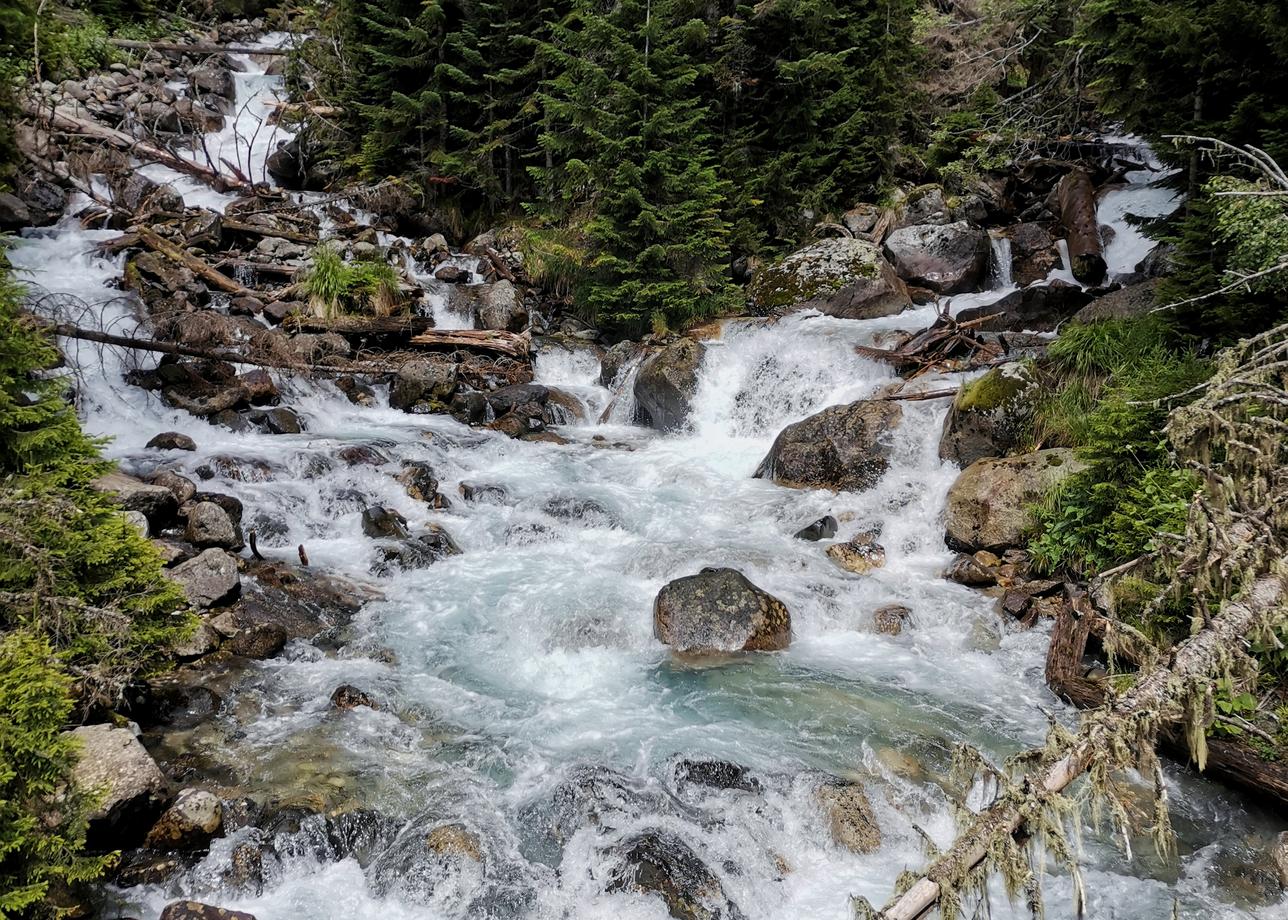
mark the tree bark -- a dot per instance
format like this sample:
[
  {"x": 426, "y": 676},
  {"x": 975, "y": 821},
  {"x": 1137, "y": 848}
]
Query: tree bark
[
  {"x": 201, "y": 269},
  {"x": 1077, "y": 197},
  {"x": 194, "y": 48},
  {"x": 507, "y": 343},
  {"x": 237, "y": 226},
  {"x": 1192, "y": 659}
]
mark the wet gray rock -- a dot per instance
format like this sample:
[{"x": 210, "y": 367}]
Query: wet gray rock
[
  {"x": 196, "y": 910},
  {"x": 258, "y": 641},
  {"x": 347, "y": 696},
  {"x": 989, "y": 504},
  {"x": 842, "y": 448},
  {"x": 667, "y": 382},
  {"x": 14, "y": 213},
  {"x": 499, "y": 306},
  {"x": 203, "y": 641},
  {"x": 720, "y": 610},
  {"x": 230, "y": 503},
  {"x": 260, "y": 388},
  {"x": 1033, "y": 253},
  {"x": 659, "y": 863},
  {"x": 214, "y": 75},
  {"x": 278, "y": 420},
  {"x": 156, "y": 503},
  {"x": 356, "y": 391},
  {"x": 172, "y": 440},
  {"x": 990, "y": 416},
  {"x": 208, "y": 579},
  {"x": 209, "y": 525},
  {"x": 380, "y": 521},
  {"x": 616, "y": 358},
  {"x": 416, "y": 552},
  {"x": 715, "y": 774},
  {"x": 845, "y": 277},
  {"x": 423, "y": 385},
  {"x": 483, "y": 492},
  {"x": 822, "y": 529},
  {"x": 946, "y": 258},
  {"x": 140, "y": 522},
  {"x": 1130, "y": 302},
  {"x": 132, "y": 788},
  {"x": 195, "y": 818},
  {"x": 1038, "y": 308}
]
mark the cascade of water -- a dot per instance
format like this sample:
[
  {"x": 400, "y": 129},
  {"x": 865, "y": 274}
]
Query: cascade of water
[
  {"x": 999, "y": 275},
  {"x": 511, "y": 672}
]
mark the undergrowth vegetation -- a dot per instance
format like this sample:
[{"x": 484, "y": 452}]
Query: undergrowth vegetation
[{"x": 336, "y": 288}]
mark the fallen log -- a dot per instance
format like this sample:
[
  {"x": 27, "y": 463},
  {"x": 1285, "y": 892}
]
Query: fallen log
[
  {"x": 237, "y": 226},
  {"x": 265, "y": 268},
  {"x": 307, "y": 108},
  {"x": 198, "y": 267},
  {"x": 384, "y": 330},
  {"x": 1077, "y": 195},
  {"x": 69, "y": 331},
  {"x": 193, "y": 48},
  {"x": 63, "y": 120},
  {"x": 506, "y": 343},
  {"x": 1193, "y": 659},
  {"x": 1228, "y": 759}
]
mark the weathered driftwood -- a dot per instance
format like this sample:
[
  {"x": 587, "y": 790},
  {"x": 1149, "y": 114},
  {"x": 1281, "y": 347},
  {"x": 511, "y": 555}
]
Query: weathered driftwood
[
  {"x": 198, "y": 267},
  {"x": 263, "y": 268},
  {"x": 944, "y": 345},
  {"x": 1192, "y": 660},
  {"x": 392, "y": 330},
  {"x": 1077, "y": 196},
  {"x": 138, "y": 343},
  {"x": 193, "y": 47},
  {"x": 506, "y": 343},
  {"x": 236, "y": 226},
  {"x": 1228, "y": 760},
  {"x": 63, "y": 120}
]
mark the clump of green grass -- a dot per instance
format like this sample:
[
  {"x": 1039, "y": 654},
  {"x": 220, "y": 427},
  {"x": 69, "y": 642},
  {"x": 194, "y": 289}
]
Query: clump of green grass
[{"x": 335, "y": 287}]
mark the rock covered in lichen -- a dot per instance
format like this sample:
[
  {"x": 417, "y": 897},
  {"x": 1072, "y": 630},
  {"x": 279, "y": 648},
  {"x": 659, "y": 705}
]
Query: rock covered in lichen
[
  {"x": 844, "y": 277},
  {"x": 990, "y": 504},
  {"x": 720, "y": 610}
]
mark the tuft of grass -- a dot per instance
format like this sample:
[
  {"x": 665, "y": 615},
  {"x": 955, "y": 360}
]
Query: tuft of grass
[{"x": 335, "y": 287}]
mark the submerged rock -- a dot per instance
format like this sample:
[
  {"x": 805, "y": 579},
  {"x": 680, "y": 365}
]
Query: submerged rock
[
  {"x": 379, "y": 521},
  {"x": 822, "y": 529},
  {"x": 715, "y": 774},
  {"x": 851, "y": 820},
  {"x": 347, "y": 696},
  {"x": 415, "y": 552},
  {"x": 667, "y": 382},
  {"x": 659, "y": 863},
  {"x": 132, "y": 788},
  {"x": 890, "y": 619},
  {"x": 989, "y": 504},
  {"x": 720, "y": 610},
  {"x": 840, "y": 448},
  {"x": 845, "y": 277}
]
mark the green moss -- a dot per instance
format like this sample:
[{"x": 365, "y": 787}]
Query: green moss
[
  {"x": 816, "y": 271},
  {"x": 995, "y": 389}
]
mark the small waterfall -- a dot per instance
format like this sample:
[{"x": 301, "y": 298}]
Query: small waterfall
[{"x": 999, "y": 272}]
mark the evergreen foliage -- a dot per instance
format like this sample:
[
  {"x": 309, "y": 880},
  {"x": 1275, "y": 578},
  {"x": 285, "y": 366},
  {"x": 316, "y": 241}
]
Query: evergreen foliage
[{"x": 42, "y": 816}]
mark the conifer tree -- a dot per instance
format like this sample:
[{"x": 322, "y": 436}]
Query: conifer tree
[{"x": 630, "y": 139}]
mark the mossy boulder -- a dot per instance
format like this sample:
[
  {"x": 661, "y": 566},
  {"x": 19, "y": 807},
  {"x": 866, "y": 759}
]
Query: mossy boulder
[
  {"x": 990, "y": 504},
  {"x": 991, "y": 415},
  {"x": 847, "y": 278}
]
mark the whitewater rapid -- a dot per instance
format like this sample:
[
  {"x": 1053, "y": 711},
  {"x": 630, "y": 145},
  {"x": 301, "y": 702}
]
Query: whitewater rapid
[{"x": 504, "y": 671}]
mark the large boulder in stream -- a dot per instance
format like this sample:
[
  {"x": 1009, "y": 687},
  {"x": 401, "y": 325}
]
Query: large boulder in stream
[
  {"x": 842, "y": 448},
  {"x": 661, "y": 864},
  {"x": 847, "y": 278},
  {"x": 989, "y": 504},
  {"x": 720, "y": 610},
  {"x": 945, "y": 258},
  {"x": 209, "y": 579},
  {"x": 667, "y": 382},
  {"x": 1038, "y": 308},
  {"x": 132, "y": 789},
  {"x": 423, "y": 385},
  {"x": 989, "y": 416}
]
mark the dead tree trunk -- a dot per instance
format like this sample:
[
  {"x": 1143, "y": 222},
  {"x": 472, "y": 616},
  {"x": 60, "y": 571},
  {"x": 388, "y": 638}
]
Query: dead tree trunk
[
  {"x": 207, "y": 273},
  {"x": 1077, "y": 197},
  {"x": 63, "y": 120},
  {"x": 194, "y": 48},
  {"x": 1193, "y": 659},
  {"x": 507, "y": 343}
]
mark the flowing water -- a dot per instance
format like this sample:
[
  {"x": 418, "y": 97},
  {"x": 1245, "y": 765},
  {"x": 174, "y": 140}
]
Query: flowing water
[{"x": 528, "y": 661}]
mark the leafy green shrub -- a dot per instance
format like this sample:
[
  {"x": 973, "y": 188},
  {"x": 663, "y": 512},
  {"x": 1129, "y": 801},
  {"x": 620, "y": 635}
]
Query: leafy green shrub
[
  {"x": 42, "y": 817},
  {"x": 1111, "y": 382},
  {"x": 335, "y": 287}
]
